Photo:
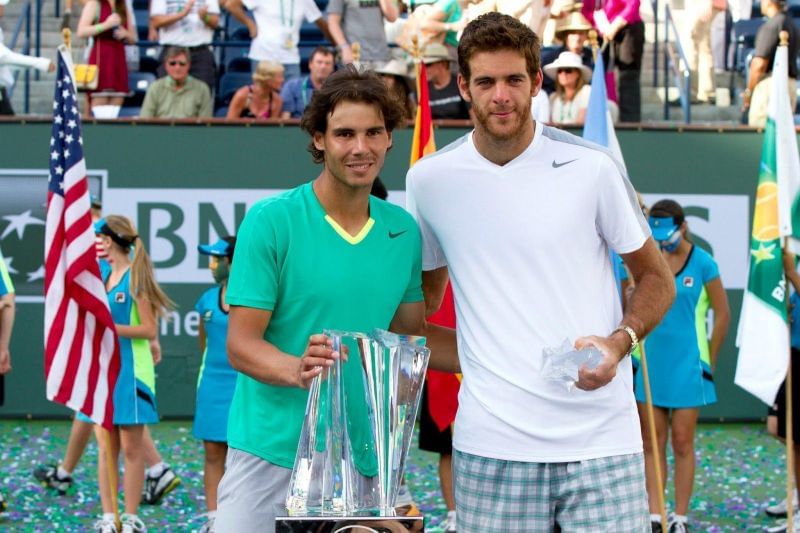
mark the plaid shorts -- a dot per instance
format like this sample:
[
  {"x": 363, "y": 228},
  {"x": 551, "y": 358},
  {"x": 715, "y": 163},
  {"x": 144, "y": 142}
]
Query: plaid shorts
[{"x": 605, "y": 494}]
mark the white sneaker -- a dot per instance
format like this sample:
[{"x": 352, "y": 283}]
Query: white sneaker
[
  {"x": 105, "y": 525},
  {"x": 676, "y": 526},
  {"x": 208, "y": 527},
  {"x": 781, "y": 528},
  {"x": 155, "y": 488},
  {"x": 132, "y": 524},
  {"x": 780, "y": 509},
  {"x": 449, "y": 525}
]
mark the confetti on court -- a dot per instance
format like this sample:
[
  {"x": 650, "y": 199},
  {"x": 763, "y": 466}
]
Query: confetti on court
[{"x": 740, "y": 471}]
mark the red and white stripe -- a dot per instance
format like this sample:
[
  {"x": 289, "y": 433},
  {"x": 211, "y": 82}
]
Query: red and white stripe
[{"x": 81, "y": 348}]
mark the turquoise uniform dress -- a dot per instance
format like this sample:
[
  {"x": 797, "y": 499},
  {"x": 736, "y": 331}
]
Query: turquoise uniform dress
[
  {"x": 5, "y": 279},
  {"x": 677, "y": 350},
  {"x": 135, "y": 392},
  {"x": 794, "y": 328},
  {"x": 217, "y": 380}
]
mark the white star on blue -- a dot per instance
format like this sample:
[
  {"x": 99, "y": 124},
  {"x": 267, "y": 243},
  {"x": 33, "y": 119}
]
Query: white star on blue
[{"x": 65, "y": 153}]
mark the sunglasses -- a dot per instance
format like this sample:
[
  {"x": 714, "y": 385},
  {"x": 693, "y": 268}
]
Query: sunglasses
[
  {"x": 174, "y": 63},
  {"x": 567, "y": 70}
]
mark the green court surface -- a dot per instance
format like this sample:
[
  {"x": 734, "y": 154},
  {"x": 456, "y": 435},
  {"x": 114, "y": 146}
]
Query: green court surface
[{"x": 740, "y": 470}]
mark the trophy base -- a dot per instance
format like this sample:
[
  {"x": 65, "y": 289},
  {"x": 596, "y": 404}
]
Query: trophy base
[{"x": 357, "y": 522}]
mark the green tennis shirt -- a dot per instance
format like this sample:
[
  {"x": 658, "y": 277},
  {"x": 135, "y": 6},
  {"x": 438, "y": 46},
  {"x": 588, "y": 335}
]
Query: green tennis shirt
[{"x": 294, "y": 260}]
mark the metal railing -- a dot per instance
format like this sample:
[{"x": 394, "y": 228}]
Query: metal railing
[
  {"x": 654, "y": 3},
  {"x": 23, "y": 21},
  {"x": 675, "y": 58}
]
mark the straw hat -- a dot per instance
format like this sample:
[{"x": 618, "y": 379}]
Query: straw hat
[
  {"x": 393, "y": 68},
  {"x": 575, "y": 21},
  {"x": 568, "y": 60}
]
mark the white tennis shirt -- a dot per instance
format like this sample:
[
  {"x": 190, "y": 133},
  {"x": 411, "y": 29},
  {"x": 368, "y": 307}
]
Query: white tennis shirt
[{"x": 527, "y": 248}]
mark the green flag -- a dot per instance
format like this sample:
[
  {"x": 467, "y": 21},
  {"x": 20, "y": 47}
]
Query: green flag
[{"x": 763, "y": 337}]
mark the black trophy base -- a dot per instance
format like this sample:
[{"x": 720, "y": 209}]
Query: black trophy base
[{"x": 363, "y": 522}]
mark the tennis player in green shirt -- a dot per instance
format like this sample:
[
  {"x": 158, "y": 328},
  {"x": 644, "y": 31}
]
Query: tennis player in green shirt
[{"x": 323, "y": 255}]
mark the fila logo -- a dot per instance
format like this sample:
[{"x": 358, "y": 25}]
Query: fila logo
[{"x": 688, "y": 281}]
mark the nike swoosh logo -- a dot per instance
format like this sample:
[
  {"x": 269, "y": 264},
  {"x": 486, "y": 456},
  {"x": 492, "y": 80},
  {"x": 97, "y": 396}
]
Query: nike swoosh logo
[
  {"x": 395, "y": 235},
  {"x": 557, "y": 165}
]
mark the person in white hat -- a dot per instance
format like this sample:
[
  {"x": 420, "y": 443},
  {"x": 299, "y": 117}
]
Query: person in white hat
[
  {"x": 569, "y": 101},
  {"x": 10, "y": 59}
]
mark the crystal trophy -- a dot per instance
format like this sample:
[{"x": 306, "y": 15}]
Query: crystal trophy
[{"x": 357, "y": 431}]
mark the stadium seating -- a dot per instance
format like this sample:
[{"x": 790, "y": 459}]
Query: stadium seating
[{"x": 230, "y": 83}]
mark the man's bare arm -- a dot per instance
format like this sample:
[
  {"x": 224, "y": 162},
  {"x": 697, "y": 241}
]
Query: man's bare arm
[
  {"x": 434, "y": 283},
  {"x": 654, "y": 289},
  {"x": 250, "y": 354},
  {"x": 651, "y": 298}
]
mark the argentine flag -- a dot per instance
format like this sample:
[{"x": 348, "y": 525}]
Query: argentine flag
[{"x": 599, "y": 128}]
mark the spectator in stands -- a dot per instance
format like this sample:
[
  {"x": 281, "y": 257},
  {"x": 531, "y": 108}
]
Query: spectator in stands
[
  {"x": 572, "y": 31},
  {"x": 532, "y": 13},
  {"x": 276, "y": 30},
  {"x": 756, "y": 97},
  {"x": 445, "y": 98},
  {"x": 444, "y": 20},
  {"x": 571, "y": 98},
  {"x": 395, "y": 75},
  {"x": 10, "y": 59},
  {"x": 361, "y": 21},
  {"x": 110, "y": 23},
  {"x": 701, "y": 62},
  {"x": 296, "y": 92},
  {"x": 262, "y": 99},
  {"x": 177, "y": 95},
  {"x": 620, "y": 24},
  {"x": 190, "y": 24}
]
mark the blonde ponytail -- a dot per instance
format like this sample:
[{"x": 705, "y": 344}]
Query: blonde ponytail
[{"x": 143, "y": 280}]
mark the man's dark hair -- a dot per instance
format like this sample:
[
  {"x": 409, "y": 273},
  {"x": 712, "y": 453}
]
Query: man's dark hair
[
  {"x": 493, "y": 32},
  {"x": 321, "y": 49},
  {"x": 175, "y": 51},
  {"x": 379, "y": 189},
  {"x": 347, "y": 85}
]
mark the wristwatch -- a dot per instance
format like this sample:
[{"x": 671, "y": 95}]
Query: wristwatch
[{"x": 631, "y": 334}]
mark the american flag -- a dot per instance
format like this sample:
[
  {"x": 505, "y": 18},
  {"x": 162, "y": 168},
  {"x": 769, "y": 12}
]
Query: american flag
[{"x": 81, "y": 361}]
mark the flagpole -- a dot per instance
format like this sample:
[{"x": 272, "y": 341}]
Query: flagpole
[
  {"x": 651, "y": 422},
  {"x": 651, "y": 429},
  {"x": 356, "y": 49},
  {"x": 66, "y": 35},
  {"x": 790, "y": 458}
]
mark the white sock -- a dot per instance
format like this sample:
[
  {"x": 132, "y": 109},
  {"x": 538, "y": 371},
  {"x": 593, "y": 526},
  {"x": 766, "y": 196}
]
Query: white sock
[
  {"x": 682, "y": 518},
  {"x": 61, "y": 473},
  {"x": 157, "y": 469},
  {"x": 212, "y": 514},
  {"x": 108, "y": 516},
  {"x": 655, "y": 517},
  {"x": 451, "y": 514}
]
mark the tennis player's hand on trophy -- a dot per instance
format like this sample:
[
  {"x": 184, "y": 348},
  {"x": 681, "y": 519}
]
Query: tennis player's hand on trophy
[
  {"x": 613, "y": 349},
  {"x": 319, "y": 355}
]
